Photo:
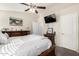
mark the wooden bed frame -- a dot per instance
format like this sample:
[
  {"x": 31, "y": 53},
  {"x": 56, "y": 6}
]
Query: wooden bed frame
[
  {"x": 49, "y": 52},
  {"x": 59, "y": 51}
]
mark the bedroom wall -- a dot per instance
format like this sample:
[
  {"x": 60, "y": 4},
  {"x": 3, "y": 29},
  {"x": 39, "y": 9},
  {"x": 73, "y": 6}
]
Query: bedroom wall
[
  {"x": 70, "y": 10},
  {"x": 26, "y": 17},
  {"x": 56, "y": 26}
]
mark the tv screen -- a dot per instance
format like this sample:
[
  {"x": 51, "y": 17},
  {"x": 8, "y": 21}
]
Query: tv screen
[{"x": 49, "y": 19}]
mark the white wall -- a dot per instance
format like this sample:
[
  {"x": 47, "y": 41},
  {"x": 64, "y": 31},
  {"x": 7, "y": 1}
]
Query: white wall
[
  {"x": 26, "y": 17},
  {"x": 69, "y": 10},
  {"x": 56, "y": 26}
]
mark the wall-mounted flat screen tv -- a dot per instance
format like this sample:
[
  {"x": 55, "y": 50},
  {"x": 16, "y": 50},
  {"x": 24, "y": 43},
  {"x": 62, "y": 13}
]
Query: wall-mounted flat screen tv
[{"x": 50, "y": 19}]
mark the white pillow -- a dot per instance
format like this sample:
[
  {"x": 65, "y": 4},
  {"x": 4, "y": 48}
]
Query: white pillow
[
  {"x": 6, "y": 35},
  {"x": 3, "y": 38}
]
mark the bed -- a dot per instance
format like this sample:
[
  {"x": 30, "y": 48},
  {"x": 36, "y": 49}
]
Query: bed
[{"x": 30, "y": 45}]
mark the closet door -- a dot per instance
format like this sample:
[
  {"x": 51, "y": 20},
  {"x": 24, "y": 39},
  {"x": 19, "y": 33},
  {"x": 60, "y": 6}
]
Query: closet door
[
  {"x": 34, "y": 28},
  {"x": 68, "y": 31},
  {"x": 37, "y": 28}
]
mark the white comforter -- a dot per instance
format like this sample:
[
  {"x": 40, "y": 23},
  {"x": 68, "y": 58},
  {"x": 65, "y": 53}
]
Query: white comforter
[{"x": 30, "y": 45}]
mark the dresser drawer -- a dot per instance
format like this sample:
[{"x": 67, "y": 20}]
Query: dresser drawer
[{"x": 17, "y": 33}]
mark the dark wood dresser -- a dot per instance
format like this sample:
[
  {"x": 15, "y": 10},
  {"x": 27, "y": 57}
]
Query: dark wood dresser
[{"x": 16, "y": 33}]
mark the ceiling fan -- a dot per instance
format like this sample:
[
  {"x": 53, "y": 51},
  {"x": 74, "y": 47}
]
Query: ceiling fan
[{"x": 33, "y": 6}]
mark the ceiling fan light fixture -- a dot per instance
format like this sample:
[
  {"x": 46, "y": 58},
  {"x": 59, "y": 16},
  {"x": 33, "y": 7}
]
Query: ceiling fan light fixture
[{"x": 32, "y": 10}]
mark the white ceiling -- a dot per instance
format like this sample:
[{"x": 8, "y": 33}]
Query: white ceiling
[
  {"x": 17, "y": 6},
  {"x": 20, "y": 8}
]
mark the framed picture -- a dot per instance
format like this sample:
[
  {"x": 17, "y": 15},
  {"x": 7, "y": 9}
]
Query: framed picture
[
  {"x": 50, "y": 30},
  {"x": 15, "y": 21}
]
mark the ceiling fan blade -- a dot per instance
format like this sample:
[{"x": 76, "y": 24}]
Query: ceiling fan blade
[
  {"x": 36, "y": 11},
  {"x": 27, "y": 9},
  {"x": 24, "y": 4},
  {"x": 41, "y": 7}
]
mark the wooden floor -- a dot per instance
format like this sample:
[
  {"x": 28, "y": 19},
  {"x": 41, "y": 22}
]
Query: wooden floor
[{"x": 60, "y": 51}]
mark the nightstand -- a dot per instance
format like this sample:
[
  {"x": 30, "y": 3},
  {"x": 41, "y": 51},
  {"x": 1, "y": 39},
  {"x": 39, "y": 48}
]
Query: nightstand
[{"x": 51, "y": 36}]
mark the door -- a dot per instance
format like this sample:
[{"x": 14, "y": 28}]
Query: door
[
  {"x": 37, "y": 28},
  {"x": 68, "y": 31}
]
